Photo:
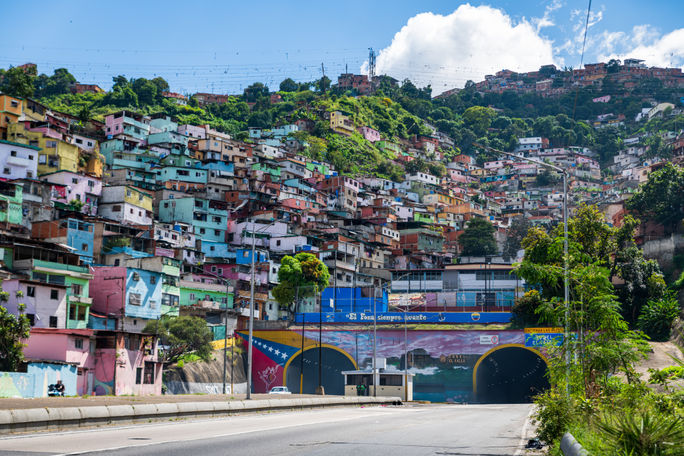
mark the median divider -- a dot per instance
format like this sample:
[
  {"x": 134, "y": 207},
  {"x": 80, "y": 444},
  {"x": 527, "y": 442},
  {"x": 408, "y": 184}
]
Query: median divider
[{"x": 62, "y": 418}]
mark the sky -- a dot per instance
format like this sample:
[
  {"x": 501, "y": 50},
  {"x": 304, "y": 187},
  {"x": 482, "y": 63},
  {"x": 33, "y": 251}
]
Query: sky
[{"x": 223, "y": 46}]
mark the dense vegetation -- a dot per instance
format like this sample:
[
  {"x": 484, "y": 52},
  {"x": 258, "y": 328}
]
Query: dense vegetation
[{"x": 397, "y": 111}]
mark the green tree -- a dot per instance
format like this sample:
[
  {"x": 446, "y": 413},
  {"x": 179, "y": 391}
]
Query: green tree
[
  {"x": 289, "y": 85},
  {"x": 17, "y": 82},
  {"x": 660, "y": 198},
  {"x": 180, "y": 335},
  {"x": 479, "y": 119},
  {"x": 57, "y": 84},
  {"x": 146, "y": 91},
  {"x": 299, "y": 276},
  {"x": 478, "y": 238},
  {"x": 14, "y": 329}
]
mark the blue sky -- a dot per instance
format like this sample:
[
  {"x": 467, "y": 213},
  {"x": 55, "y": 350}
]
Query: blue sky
[{"x": 223, "y": 46}]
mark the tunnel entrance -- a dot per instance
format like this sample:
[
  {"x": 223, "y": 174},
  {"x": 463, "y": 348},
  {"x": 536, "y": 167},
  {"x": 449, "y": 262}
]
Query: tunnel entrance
[
  {"x": 510, "y": 375},
  {"x": 333, "y": 363}
]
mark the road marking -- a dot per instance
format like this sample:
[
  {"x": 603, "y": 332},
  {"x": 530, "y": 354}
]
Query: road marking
[{"x": 523, "y": 435}]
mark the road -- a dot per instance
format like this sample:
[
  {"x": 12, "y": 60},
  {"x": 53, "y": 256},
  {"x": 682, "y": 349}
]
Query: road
[{"x": 427, "y": 429}]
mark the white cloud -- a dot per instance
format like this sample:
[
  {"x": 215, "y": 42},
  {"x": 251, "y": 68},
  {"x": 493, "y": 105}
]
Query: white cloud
[
  {"x": 644, "y": 43},
  {"x": 546, "y": 20},
  {"x": 446, "y": 51}
]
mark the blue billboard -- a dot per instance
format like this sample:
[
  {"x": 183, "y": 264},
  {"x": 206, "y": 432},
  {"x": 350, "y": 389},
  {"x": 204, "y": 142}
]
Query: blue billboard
[{"x": 400, "y": 317}]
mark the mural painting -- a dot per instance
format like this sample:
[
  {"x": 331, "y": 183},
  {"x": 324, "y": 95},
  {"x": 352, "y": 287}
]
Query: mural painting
[{"x": 444, "y": 362}]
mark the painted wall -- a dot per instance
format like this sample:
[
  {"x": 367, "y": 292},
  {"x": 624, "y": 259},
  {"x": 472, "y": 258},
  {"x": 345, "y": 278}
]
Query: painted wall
[
  {"x": 34, "y": 382},
  {"x": 443, "y": 361}
]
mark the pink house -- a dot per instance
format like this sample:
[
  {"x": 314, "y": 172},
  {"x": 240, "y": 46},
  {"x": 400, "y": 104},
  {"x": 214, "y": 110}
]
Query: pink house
[
  {"x": 73, "y": 346},
  {"x": 370, "y": 134},
  {"x": 84, "y": 188}
]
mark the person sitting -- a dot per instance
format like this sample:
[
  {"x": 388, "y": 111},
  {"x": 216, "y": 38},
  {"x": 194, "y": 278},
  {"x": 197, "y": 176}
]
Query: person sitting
[{"x": 60, "y": 387}]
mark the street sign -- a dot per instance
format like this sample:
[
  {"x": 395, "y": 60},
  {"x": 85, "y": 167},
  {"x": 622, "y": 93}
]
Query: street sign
[
  {"x": 539, "y": 340},
  {"x": 543, "y": 330}
]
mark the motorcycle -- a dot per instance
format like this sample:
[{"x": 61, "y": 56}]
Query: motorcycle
[{"x": 54, "y": 392}]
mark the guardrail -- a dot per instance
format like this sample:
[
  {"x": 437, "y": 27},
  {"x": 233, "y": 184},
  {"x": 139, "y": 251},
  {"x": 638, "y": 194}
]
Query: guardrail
[
  {"x": 571, "y": 447},
  {"x": 57, "y": 418}
]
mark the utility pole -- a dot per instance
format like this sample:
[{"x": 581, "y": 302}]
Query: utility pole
[
  {"x": 320, "y": 345},
  {"x": 375, "y": 342},
  {"x": 225, "y": 344},
  {"x": 251, "y": 318}
]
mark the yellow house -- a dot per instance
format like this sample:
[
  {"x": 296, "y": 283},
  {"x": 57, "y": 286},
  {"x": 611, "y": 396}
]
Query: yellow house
[
  {"x": 341, "y": 123},
  {"x": 10, "y": 111},
  {"x": 33, "y": 110},
  {"x": 138, "y": 198},
  {"x": 56, "y": 155}
]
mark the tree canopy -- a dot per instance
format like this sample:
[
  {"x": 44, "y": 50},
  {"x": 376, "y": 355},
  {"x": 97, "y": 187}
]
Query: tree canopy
[
  {"x": 478, "y": 238},
  {"x": 299, "y": 276},
  {"x": 181, "y": 335}
]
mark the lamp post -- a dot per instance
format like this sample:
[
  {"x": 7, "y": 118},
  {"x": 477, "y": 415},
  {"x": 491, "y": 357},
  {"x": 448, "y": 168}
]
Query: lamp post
[
  {"x": 405, "y": 311},
  {"x": 566, "y": 273},
  {"x": 251, "y": 310}
]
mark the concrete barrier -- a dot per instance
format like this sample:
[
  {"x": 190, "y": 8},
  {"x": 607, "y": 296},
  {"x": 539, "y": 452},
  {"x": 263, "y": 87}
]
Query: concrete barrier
[
  {"x": 571, "y": 447},
  {"x": 59, "y": 418}
]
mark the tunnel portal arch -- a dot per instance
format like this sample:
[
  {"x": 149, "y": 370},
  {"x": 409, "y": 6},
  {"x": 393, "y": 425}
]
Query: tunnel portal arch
[
  {"x": 334, "y": 361},
  {"x": 510, "y": 373}
]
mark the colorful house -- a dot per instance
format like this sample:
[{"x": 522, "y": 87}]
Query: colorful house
[
  {"x": 74, "y": 186},
  {"x": 18, "y": 161},
  {"x": 11, "y": 197}
]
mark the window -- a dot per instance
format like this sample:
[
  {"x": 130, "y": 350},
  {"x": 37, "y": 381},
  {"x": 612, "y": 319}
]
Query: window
[
  {"x": 116, "y": 262},
  {"x": 6, "y": 170},
  {"x": 191, "y": 296},
  {"x": 31, "y": 319},
  {"x": 116, "y": 208},
  {"x": 76, "y": 289},
  {"x": 153, "y": 304},
  {"x": 53, "y": 321},
  {"x": 78, "y": 343},
  {"x": 153, "y": 280},
  {"x": 136, "y": 276},
  {"x": 31, "y": 292},
  {"x": 54, "y": 294},
  {"x": 148, "y": 377},
  {"x": 84, "y": 247},
  {"x": 13, "y": 153},
  {"x": 138, "y": 375},
  {"x": 135, "y": 299},
  {"x": 74, "y": 180}
]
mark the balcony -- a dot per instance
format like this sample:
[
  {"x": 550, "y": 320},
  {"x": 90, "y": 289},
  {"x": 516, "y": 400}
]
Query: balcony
[{"x": 19, "y": 161}]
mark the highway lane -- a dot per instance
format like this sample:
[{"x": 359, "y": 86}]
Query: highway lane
[{"x": 427, "y": 429}]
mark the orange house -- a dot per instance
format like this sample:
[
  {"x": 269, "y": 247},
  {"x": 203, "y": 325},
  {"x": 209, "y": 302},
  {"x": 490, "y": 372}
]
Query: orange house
[{"x": 10, "y": 111}]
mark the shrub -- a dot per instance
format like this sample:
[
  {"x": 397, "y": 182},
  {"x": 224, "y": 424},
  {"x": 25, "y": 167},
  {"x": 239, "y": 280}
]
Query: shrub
[
  {"x": 645, "y": 433},
  {"x": 553, "y": 415},
  {"x": 657, "y": 316}
]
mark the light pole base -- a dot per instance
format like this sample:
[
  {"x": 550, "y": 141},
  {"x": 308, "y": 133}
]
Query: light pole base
[{"x": 320, "y": 390}]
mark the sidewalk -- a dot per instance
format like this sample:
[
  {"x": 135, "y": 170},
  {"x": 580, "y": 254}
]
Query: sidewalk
[
  {"x": 89, "y": 401},
  {"x": 50, "y": 414}
]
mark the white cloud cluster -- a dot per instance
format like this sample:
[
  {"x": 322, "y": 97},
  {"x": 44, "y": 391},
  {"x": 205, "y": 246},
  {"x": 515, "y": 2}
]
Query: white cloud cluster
[
  {"x": 644, "y": 43},
  {"x": 446, "y": 51}
]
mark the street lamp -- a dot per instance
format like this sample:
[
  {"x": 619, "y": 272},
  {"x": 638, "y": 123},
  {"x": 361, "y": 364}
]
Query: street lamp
[
  {"x": 405, "y": 311},
  {"x": 566, "y": 277},
  {"x": 251, "y": 309}
]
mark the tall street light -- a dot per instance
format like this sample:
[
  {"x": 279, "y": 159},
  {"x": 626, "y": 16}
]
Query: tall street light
[
  {"x": 566, "y": 274},
  {"x": 405, "y": 311},
  {"x": 251, "y": 308}
]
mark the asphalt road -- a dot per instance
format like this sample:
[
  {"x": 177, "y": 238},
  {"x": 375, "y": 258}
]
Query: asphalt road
[{"x": 430, "y": 429}]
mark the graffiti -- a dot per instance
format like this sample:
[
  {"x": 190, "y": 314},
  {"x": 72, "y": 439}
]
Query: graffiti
[{"x": 269, "y": 376}]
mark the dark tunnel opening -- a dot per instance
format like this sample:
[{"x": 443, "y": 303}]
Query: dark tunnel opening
[
  {"x": 333, "y": 363},
  {"x": 510, "y": 375}
]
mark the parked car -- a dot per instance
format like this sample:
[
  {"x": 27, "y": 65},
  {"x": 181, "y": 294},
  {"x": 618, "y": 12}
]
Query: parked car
[{"x": 279, "y": 390}]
